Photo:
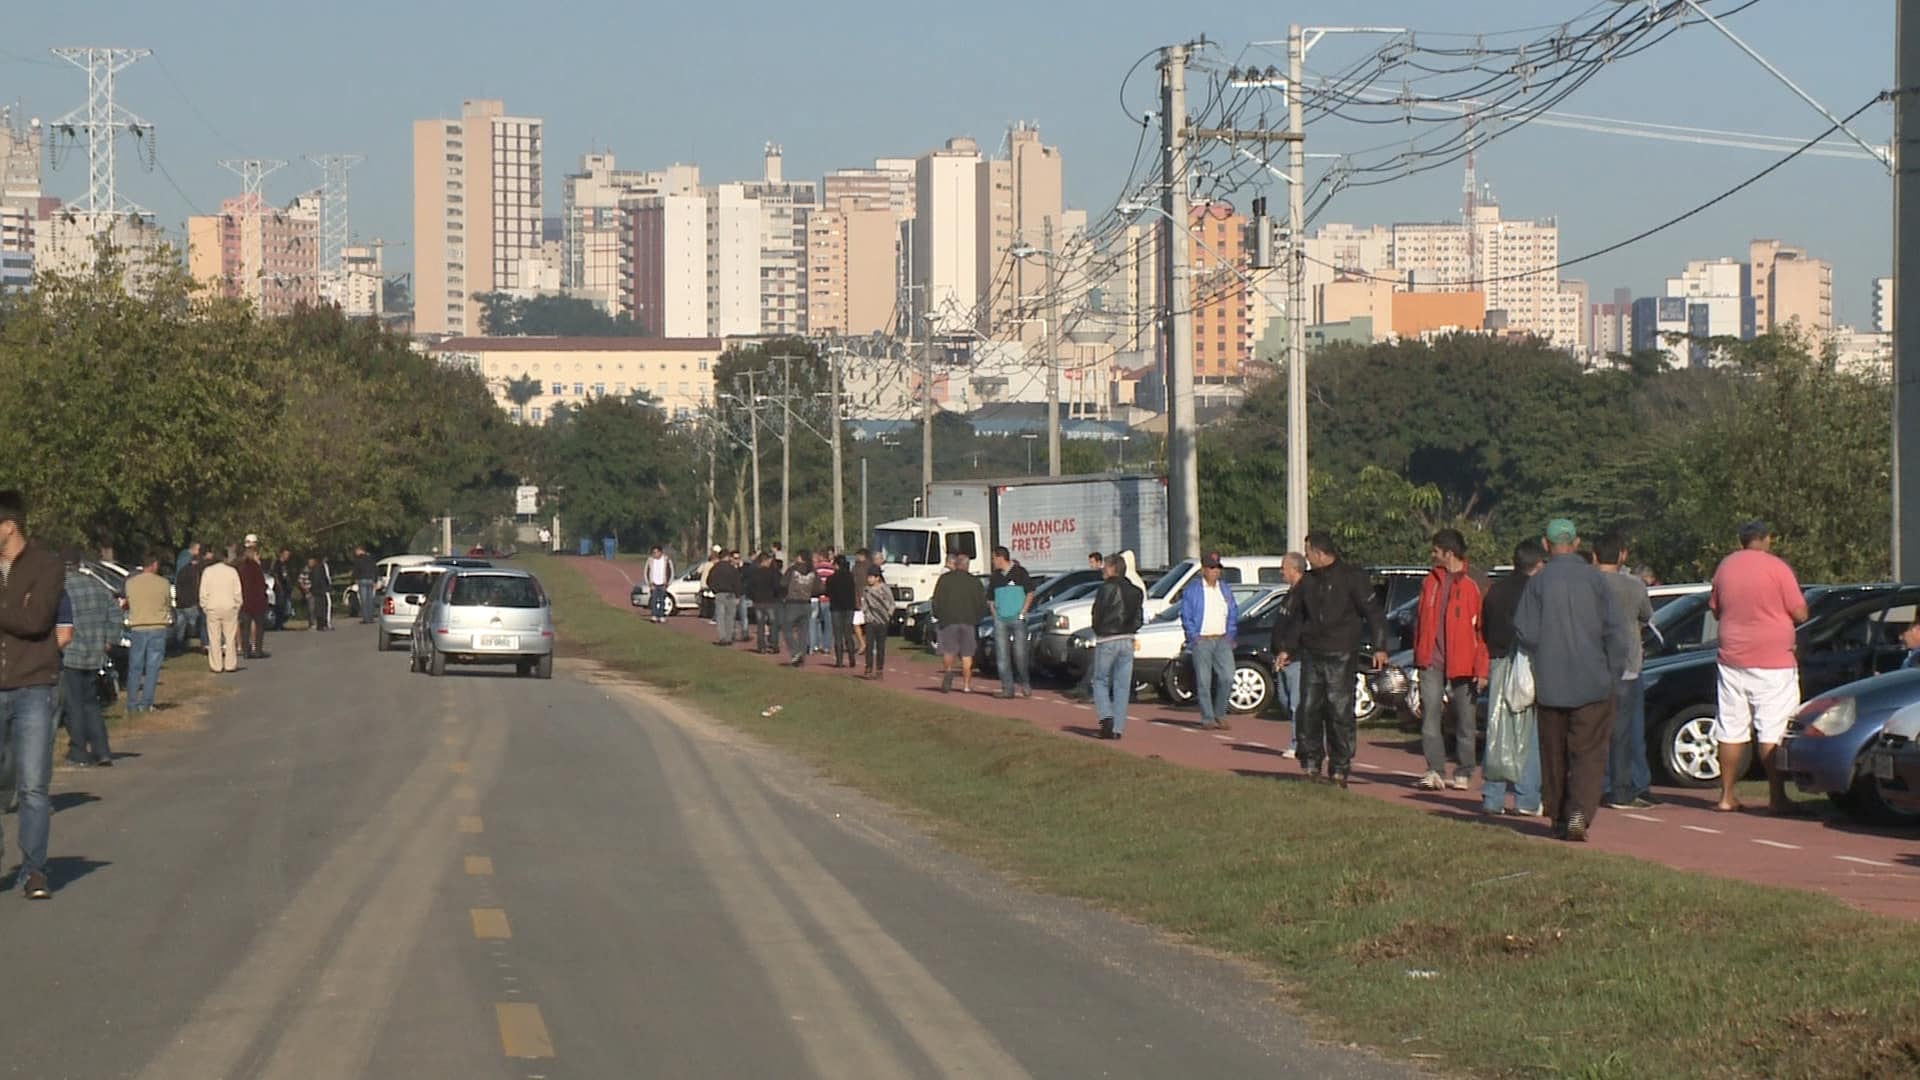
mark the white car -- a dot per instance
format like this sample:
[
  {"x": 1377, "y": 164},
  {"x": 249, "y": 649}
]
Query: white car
[
  {"x": 683, "y": 593},
  {"x": 1054, "y": 647}
]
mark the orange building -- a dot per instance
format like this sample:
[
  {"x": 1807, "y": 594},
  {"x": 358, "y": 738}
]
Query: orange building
[
  {"x": 1418, "y": 313},
  {"x": 1222, "y": 327}
]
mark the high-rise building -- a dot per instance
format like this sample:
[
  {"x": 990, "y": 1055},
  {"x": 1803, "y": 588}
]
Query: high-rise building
[
  {"x": 360, "y": 286},
  {"x": 663, "y": 275},
  {"x": 592, "y": 222},
  {"x": 1661, "y": 324},
  {"x": 783, "y": 206},
  {"x": 1020, "y": 199},
  {"x": 476, "y": 212},
  {"x": 251, "y": 251},
  {"x": 1883, "y": 305},
  {"x": 944, "y": 237},
  {"x": 734, "y": 270},
  {"x": 1514, "y": 262},
  {"x": 20, "y": 198},
  {"x": 1719, "y": 302},
  {"x": 1222, "y": 320},
  {"x": 1790, "y": 289},
  {"x": 889, "y": 183},
  {"x": 851, "y": 284},
  {"x": 1611, "y": 332}
]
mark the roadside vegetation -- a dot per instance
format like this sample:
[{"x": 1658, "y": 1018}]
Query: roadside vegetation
[{"x": 1458, "y": 947}]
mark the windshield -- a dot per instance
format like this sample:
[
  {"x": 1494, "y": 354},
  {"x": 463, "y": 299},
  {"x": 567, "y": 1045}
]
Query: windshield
[
  {"x": 1063, "y": 584},
  {"x": 914, "y": 547},
  {"x": 409, "y": 582},
  {"x": 1171, "y": 580},
  {"x": 495, "y": 590}
]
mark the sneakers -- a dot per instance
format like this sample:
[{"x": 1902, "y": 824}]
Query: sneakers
[
  {"x": 1290, "y": 753},
  {"x": 1524, "y": 812},
  {"x": 1638, "y": 802},
  {"x": 1431, "y": 782},
  {"x": 1577, "y": 827},
  {"x": 1462, "y": 782},
  {"x": 946, "y": 682},
  {"x": 37, "y": 887}
]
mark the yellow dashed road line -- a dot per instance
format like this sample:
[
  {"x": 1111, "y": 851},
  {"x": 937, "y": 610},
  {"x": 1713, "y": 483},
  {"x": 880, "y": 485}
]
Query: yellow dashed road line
[
  {"x": 471, "y": 824},
  {"x": 479, "y": 866},
  {"x": 523, "y": 1033},
  {"x": 490, "y": 924}
]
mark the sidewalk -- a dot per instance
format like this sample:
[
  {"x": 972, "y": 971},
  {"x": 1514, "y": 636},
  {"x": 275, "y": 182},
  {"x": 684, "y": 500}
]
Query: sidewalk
[{"x": 1870, "y": 869}]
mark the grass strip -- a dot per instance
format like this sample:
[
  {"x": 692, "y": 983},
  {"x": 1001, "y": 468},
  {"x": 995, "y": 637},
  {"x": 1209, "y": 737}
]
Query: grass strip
[{"x": 1464, "y": 948}]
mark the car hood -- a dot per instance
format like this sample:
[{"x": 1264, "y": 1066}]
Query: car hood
[
  {"x": 1905, "y": 722},
  {"x": 1882, "y": 693}
]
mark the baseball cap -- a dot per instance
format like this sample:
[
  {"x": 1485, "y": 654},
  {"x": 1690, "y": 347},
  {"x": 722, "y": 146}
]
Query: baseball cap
[
  {"x": 874, "y": 571},
  {"x": 1754, "y": 530},
  {"x": 1561, "y": 531},
  {"x": 1210, "y": 561},
  {"x": 253, "y": 539}
]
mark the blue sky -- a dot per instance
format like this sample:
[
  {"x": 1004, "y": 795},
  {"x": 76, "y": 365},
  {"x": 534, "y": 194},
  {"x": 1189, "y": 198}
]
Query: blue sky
[{"x": 840, "y": 83}]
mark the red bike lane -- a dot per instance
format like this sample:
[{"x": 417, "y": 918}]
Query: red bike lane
[{"x": 1871, "y": 869}]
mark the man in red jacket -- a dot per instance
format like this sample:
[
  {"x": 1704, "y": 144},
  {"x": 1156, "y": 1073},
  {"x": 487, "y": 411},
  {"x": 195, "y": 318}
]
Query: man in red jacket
[{"x": 1452, "y": 658}]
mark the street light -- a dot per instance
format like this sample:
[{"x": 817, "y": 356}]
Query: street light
[{"x": 1029, "y": 437}]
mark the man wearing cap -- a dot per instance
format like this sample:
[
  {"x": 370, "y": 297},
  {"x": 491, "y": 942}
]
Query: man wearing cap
[
  {"x": 1209, "y": 615},
  {"x": 1568, "y": 624},
  {"x": 1758, "y": 602}
]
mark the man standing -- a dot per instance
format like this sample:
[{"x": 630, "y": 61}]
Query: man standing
[
  {"x": 319, "y": 594},
  {"x": 659, "y": 575},
  {"x": 1209, "y": 616},
  {"x": 221, "y": 597},
  {"x": 186, "y": 597},
  {"x": 876, "y": 600},
  {"x": 149, "y": 617},
  {"x": 723, "y": 577},
  {"x": 1083, "y": 690},
  {"x": 740, "y": 605},
  {"x": 820, "y": 613},
  {"x": 1116, "y": 618},
  {"x": 959, "y": 603},
  {"x": 1758, "y": 602},
  {"x": 797, "y": 585},
  {"x": 32, "y": 581},
  {"x": 282, "y": 573},
  {"x": 1293, "y": 569},
  {"x": 1578, "y": 646},
  {"x": 96, "y": 623},
  {"x": 763, "y": 592},
  {"x": 365, "y": 571},
  {"x": 1012, "y": 593},
  {"x": 1332, "y": 616},
  {"x": 1630, "y": 781},
  {"x": 187, "y": 554},
  {"x": 1451, "y": 656},
  {"x": 253, "y": 604},
  {"x": 1496, "y": 628}
]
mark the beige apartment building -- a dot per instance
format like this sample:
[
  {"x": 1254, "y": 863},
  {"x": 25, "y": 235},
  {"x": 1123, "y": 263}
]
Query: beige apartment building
[
  {"x": 1021, "y": 202},
  {"x": 676, "y": 372},
  {"x": 476, "y": 212},
  {"x": 267, "y": 256},
  {"x": 889, "y": 183},
  {"x": 851, "y": 286},
  {"x": 1789, "y": 289}
]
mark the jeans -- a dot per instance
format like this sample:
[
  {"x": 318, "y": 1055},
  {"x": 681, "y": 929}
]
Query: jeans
[
  {"x": 843, "y": 645},
  {"x": 367, "y": 614},
  {"x": 766, "y": 627},
  {"x": 876, "y": 647},
  {"x": 1011, "y": 655},
  {"x": 86, "y": 728},
  {"x": 1327, "y": 730},
  {"x": 608, "y": 546},
  {"x": 1113, "y": 681},
  {"x": 1290, "y": 675},
  {"x": 742, "y": 611},
  {"x": 1628, "y": 776},
  {"x": 1433, "y": 688},
  {"x": 146, "y": 649},
  {"x": 656, "y": 600},
  {"x": 186, "y": 624},
  {"x": 253, "y": 634},
  {"x": 26, "y": 721},
  {"x": 1526, "y": 793},
  {"x": 723, "y": 612},
  {"x": 1212, "y": 677},
  {"x": 819, "y": 625},
  {"x": 799, "y": 618}
]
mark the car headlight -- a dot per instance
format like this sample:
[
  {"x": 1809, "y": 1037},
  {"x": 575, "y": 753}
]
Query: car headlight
[
  {"x": 1059, "y": 622},
  {"x": 1835, "y": 719},
  {"x": 984, "y": 631}
]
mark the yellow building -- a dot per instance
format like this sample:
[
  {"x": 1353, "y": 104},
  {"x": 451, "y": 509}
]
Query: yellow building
[{"x": 676, "y": 372}]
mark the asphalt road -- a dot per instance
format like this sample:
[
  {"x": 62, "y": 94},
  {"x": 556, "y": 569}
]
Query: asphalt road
[{"x": 357, "y": 871}]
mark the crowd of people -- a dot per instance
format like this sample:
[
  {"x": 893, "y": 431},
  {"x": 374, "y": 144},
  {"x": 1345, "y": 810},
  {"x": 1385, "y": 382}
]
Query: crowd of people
[{"x": 813, "y": 604}]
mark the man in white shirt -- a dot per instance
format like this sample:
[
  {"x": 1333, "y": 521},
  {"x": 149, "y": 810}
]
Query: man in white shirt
[{"x": 659, "y": 576}]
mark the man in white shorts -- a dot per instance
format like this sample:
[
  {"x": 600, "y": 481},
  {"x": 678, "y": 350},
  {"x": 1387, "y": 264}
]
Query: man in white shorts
[{"x": 1759, "y": 603}]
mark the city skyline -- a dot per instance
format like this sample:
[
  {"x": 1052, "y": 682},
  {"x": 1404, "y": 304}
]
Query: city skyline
[{"x": 1062, "y": 71}]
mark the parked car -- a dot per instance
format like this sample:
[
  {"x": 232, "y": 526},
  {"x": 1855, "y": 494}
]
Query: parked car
[
  {"x": 1159, "y": 646},
  {"x": 1846, "y": 638},
  {"x": 1829, "y": 740},
  {"x": 402, "y": 598},
  {"x": 1256, "y": 683},
  {"x": 1662, "y": 595},
  {"x": 1039, "y": 616},
  {"x": 384, "y": 570},
  {"x": 484, "y": 616},
  {"x": 463, "y": 562},
  {"x": 1895, "y": 761},
  {"x": 1054, "y": 649}
]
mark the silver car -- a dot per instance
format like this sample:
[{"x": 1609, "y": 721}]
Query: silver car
[
  {"x": 485, "y": 616},
  {"x": 400, "y": 601}
]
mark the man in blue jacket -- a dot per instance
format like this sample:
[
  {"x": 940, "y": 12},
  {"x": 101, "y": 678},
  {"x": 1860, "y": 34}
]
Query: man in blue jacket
[{"x": 1209, "y": 615}]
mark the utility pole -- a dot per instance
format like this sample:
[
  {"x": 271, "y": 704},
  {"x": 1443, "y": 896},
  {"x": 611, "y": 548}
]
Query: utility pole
[
  {"x": 1053, "y": 357},
  {"x": 101, "y": 120},
  {"x": 713, "y": 457},
  {"x": 839, "y": 481},
  {"x": 926, "y": 420},
  {"x": 786, "y": 452},
  {"x": 1183, "y": 471},
  {"x": 1297, "y": 298},
  {"x": 1906, "y": 292},
  {"x": 753, "y": 426},
  {"x": 865, "y": 534},
  {"x": 336, "y": 230}
]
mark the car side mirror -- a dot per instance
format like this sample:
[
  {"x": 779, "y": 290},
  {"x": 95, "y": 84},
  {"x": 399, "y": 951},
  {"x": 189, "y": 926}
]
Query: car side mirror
[{"x": 414, "y": 600}]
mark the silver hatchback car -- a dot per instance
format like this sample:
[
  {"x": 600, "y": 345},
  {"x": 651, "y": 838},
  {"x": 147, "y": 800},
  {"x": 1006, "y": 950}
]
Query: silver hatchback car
[
  {"x": 485, "y": 616},
  {"x": 401, "y": 599}
]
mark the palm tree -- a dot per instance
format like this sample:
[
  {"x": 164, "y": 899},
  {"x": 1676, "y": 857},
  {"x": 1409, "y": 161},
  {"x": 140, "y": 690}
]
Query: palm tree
[{"x": 523, "y": 389}]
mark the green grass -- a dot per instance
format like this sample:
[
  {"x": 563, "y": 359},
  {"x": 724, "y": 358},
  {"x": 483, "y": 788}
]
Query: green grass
[{"x": 1544, "y": 960}]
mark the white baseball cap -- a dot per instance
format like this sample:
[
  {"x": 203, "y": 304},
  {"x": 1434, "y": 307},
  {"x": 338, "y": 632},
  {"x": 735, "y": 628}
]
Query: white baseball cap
[{"x": 253, "y": 539}]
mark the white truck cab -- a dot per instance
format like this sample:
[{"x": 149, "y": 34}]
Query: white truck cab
[{"x": 915, "y": 551}]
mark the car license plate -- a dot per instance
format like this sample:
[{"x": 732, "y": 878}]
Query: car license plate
[
  {"x": 1883, "y": 766},
  {"x": 495, "y": 641}
]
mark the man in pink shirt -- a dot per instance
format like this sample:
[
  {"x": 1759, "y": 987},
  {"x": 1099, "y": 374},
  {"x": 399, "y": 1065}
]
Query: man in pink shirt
[{"x": 1759, "y": 603}]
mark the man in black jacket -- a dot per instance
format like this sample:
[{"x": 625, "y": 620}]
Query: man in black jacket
[
  {"x": 1116, "y": 618},
  {"x": 1331, "y": 617},
  {"x": 723, "y": 577},
  {"x": 763, "y": 593}
]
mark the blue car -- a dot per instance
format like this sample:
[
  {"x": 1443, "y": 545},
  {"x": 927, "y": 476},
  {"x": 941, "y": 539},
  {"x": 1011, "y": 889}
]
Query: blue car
[{"x": 1830, "y": 738}]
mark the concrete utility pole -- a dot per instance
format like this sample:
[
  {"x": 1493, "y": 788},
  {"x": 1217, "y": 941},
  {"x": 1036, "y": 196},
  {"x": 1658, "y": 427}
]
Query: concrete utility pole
[
  {"x": 1296, "y": 299},
  {"x": 839, "y": 480},
  {"x": 1053, "y": 356},
  {"x": 864, "y": 534},
  {"x": 786, "y": 452},
  {"x": 926, "y": 420},
  {"x": 1183, "y": 470},
  {"x": 1906, "y": 293},
  {"x": 753, "y": 422}
]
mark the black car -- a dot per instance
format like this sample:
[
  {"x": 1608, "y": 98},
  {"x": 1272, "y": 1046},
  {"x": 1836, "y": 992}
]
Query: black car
[
  {"x": 1853, "y": 632},
  {"x": 1255, "y": 682}
]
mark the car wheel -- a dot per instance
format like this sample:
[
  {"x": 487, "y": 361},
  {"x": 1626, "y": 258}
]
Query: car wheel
[
  {"x": 1365, "y": 706},
  {"x": 437, "y": 663},
  {"x": 1864, "y": 802},
  {"x": 1176, "y": 686},
  {"x": 1251, "y": 690},
  {"x": 543, "y": 667},
  {"x": 669, "y": 607},
  {"x": 1688, "y": 753}
]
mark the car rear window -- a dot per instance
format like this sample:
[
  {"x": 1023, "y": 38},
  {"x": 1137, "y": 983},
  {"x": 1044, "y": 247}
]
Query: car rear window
[
  {"x": 411, "y": 582},
  {"x": 489, "y": 590}
]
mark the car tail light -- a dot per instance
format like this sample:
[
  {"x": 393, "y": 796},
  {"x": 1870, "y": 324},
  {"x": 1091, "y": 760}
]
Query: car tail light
[{"x": 387, "y": 608}]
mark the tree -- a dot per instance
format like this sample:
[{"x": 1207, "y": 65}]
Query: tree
[
  {"x": 524, "y": 389},
  {"x": 615, "y": 469},
  {"x": 552, "y": 316}
]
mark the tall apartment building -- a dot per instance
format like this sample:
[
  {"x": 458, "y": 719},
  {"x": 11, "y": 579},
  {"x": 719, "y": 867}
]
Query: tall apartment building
[
  {"x": 1337, "y": 248},
  {"x": 1020, "y": 197},
  {"x": 360, "y": 286},
  {"x": 734, "y": 269},
  {"x": 1222, "y": 318},
  {"x": 1512, "y": 261},
  {"x": 1611, "y": 326},
  {"x": 20, "y": 198},
  {"x": 1883, "y": 305},
  {"x": 1790, "y": 289},
  {"x": 663, "y": 273},
  {"x": 476, "y": 211},
  {"x": 944, "y": 236},
  {"x": 783, "y": 206},
  {"x": 592, "y": 222},
  {"x": 251, "y": 251},
  {"x": 851, "y": 266},
  {"x": 889, "y": 183}
]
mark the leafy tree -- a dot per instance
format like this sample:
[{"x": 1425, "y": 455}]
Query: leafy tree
[
  {"x": 615, "y": 468},
  {"x": 524, "y": 389},
  {"x": 552, "y": 316}
]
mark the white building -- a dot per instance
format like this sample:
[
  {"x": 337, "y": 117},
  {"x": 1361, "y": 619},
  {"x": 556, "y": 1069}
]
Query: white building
[
  {"x": 593, "y": 222},
  {"x": 359, "y": 286},
  {"x": 1863, "y": 352},
  {"x": 1513, "y": 262},
  {"x": 783, "y": 206},
  {"x": 1883, "y": 305},
  {"x": 944, "y": 240}
]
